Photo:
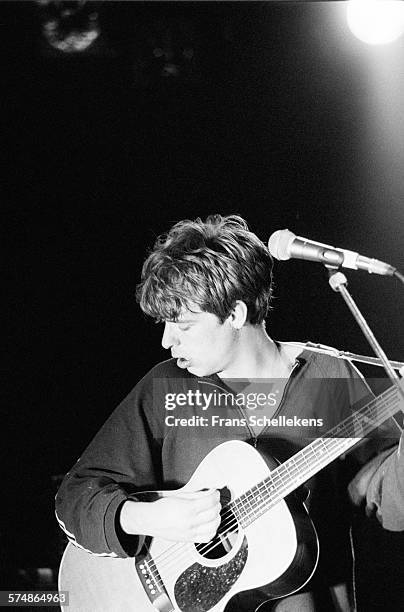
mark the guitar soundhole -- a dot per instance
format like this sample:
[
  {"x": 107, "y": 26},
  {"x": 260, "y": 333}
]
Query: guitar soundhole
[{"x": 225, "y": 538}]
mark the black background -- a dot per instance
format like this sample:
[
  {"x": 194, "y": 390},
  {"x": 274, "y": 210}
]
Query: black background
[{"x": 102, "y": 153}]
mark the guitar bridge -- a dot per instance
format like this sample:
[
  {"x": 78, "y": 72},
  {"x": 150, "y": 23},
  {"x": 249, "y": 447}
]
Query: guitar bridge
[{"x": 153, "y": 585}]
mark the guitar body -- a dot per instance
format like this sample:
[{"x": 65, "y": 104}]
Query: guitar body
[{"x": 275, "y": 554}]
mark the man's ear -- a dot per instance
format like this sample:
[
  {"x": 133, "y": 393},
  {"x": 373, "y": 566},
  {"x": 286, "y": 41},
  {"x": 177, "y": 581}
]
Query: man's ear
[{"x": 238, "y": 315}]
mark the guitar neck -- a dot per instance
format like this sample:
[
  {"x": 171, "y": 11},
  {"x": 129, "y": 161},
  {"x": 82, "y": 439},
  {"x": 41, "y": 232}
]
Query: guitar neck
[{"x": 314, "y": 457}]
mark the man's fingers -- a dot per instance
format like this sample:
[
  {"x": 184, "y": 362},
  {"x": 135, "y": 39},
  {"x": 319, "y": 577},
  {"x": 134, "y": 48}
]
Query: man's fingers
[
  {"x": 210, "y": 514},
  {"x": 196, "y": 494},
  {"x": 206, "y": 532},
  {"x": 206, "y": 493},
  {"x": 207, "y": 501}
]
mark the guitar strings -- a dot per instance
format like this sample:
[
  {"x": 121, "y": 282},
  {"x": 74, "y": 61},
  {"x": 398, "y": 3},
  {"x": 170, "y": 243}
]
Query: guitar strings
[
  {"x": 204, "y": 548},
  {"x": 227, "y": 526}
]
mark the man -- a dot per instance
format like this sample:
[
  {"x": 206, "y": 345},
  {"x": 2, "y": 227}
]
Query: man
[
  {"x": 380, "y": 483},
  {"x": 211, "y": 284},
  {"x": 379, "y": 539}
]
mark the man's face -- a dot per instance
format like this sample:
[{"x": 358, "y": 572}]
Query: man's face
[{"x": 200, "y": 342}]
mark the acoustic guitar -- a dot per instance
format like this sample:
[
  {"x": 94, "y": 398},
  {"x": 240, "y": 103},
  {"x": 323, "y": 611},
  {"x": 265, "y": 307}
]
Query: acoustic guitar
[{"x": 265, "y": 542}]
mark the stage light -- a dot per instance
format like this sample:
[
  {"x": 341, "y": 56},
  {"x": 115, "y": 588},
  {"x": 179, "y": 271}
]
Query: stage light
[
  {"x": 69, "y": 26},
  {"x": 376, "y": 22}
]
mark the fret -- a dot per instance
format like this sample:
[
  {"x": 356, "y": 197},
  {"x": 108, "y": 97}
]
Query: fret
[
  {"x": 270, "y": 489},
  {"x": 293, "y": 461},
  {"x": 286, "y": 468},
  {"x": 238, "y": 509},
  {"x": 258, "y": 496},
  {"x": 251, "y": 499},
  {"x": 248, "y": 507},
  {"x": 322, "y": 451}
]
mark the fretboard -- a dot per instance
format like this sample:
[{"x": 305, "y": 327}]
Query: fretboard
[{"x": 314, "y": 457}]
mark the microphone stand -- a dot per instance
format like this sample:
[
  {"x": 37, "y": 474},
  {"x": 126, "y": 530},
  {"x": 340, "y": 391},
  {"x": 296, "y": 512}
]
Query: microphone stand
[
  {"x": 328, "y": 350},
  {"x": 338, "y": 282},
  {"x": 400, "y": 276}
]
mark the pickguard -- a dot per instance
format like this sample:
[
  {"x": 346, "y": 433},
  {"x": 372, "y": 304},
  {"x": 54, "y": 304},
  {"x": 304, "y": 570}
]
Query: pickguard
[{"x": 200, "y": 588}]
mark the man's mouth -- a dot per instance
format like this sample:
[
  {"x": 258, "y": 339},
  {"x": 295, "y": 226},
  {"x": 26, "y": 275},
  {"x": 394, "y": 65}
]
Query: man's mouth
[{"x": 182, "y": 362}]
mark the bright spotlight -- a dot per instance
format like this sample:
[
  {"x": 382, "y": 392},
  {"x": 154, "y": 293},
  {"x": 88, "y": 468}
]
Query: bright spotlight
[
  {"x": 69, "y": 26},
  {"x": 376, "y": 22}
]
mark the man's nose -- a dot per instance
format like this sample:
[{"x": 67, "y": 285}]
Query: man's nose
[{"x": 169, "y": 336}]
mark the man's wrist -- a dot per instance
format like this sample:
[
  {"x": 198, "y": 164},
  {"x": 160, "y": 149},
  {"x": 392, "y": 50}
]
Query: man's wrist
[{"x": 132, "y": 515}]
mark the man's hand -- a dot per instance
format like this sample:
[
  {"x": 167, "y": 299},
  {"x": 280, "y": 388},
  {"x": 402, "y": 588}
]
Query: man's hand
[{"x": 183, "y": 517}]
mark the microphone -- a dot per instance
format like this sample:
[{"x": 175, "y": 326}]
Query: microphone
[{"x": 283, "y": 245}]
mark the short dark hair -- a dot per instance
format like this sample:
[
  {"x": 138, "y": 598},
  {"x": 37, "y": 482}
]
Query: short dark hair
[{"x": 210, "y": 263}]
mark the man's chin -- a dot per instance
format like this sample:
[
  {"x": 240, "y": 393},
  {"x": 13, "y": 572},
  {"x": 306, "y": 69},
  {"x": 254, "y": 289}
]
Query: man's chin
[
  {"x": 201, "y": 372},
  {"x": 186, "y": 364},
  {"x": 193, "y": 369}
]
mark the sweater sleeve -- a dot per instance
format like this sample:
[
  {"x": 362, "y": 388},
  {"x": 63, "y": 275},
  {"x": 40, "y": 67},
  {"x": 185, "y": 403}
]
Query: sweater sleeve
[
  {"x": 123, "y": 458},
  {"x": 387, "y": 490},
  {"x": 381, "y": 483}
]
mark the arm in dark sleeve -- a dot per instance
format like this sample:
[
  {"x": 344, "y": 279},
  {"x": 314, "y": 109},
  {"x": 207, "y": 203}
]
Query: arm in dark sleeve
[
  {"x": 381, "y": 479},
  {"x": 388, "y": 485},
  {"x": 124, "y": 457},
  {"x": 381, "y": 482}
]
